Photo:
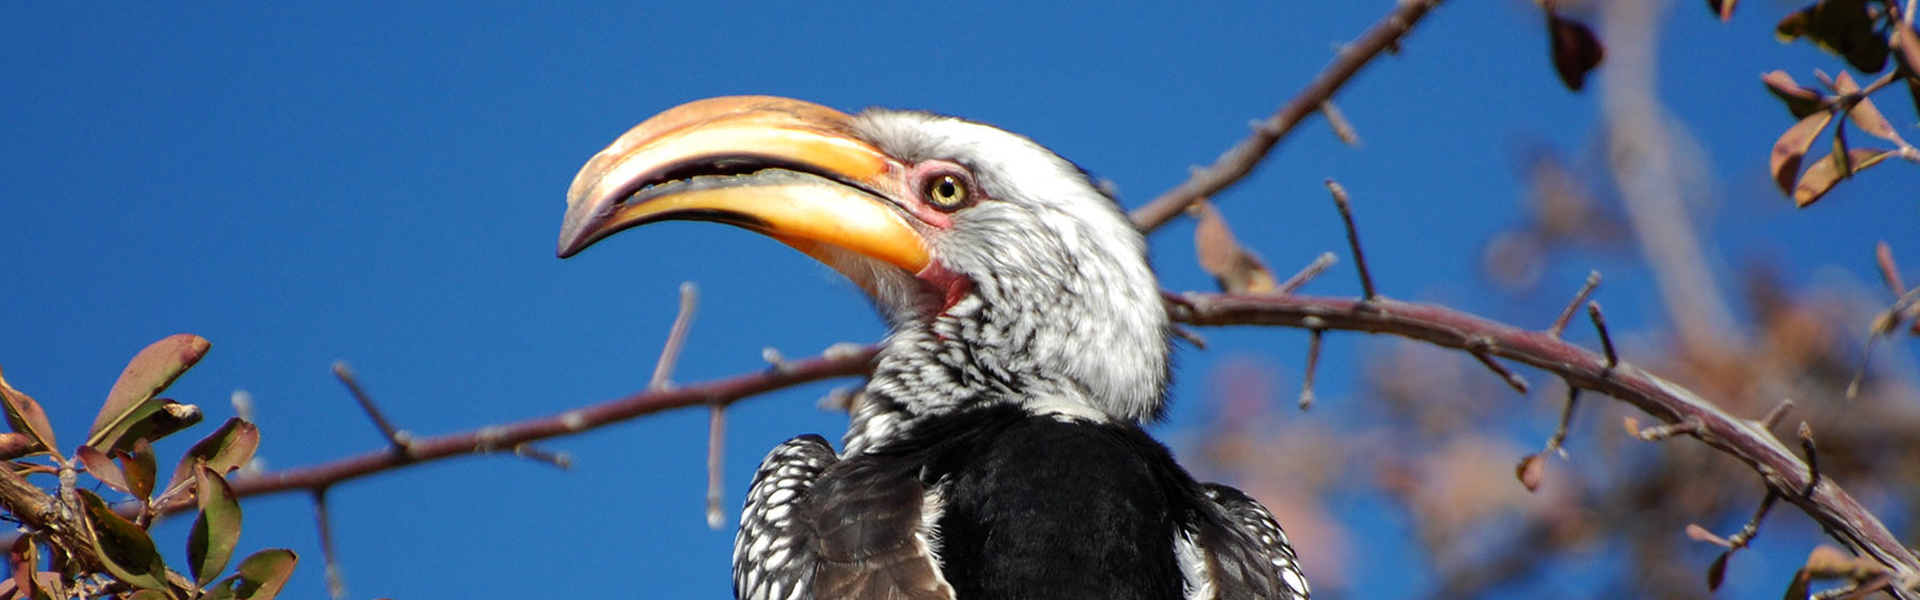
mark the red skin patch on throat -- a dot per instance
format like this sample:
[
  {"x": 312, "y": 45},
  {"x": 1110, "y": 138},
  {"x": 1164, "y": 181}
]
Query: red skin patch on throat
[{"x": 954, "y": 285}]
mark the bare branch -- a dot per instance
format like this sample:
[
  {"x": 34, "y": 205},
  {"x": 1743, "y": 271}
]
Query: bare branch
[
  {"x": 336, "y": 586},
  {"x": 716, "y": 465},
  {"x": 396, "y": 437},
  {"x": 1353, "y": 236},
  {"x": 1600, "y": 325},
  {"x": 676, "y": 337},
  {"x": 1312, "y": 270},
  {"x": 1238, "y": 161},
  {"x": 1313, "y": 366},
  {"x": 1839, "y": 513},
  {"x": 1566, "y": 315},
  {"x": 1513, "y": 380}
]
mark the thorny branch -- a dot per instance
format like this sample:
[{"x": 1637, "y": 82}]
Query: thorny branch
[
  {"x": 1747, "y": 440},
  {"x": 1238, "y": 161}
]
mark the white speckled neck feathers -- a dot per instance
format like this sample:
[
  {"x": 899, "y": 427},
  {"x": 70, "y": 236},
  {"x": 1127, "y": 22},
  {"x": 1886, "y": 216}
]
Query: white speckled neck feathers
[{"x": 1063, "y": 309}]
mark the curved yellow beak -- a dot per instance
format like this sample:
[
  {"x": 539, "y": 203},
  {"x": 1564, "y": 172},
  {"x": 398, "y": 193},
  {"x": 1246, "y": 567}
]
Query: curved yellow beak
[{"x": 786, "y": 168}]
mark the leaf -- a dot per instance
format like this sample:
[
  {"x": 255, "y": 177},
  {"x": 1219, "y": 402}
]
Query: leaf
[
  {"x": 1722, "y": 8},
  {"x": 102, "y": 468},
  {"x": 124, "y": 548},
  {"x": 226, "y": 449},
  {"x": 152, "y": 419},
  {"x": 1791, "y": 148},
  {"x": 260, "y": 577},
  {"x": 216, "y": 530},
  {"x": 1801, "y": 101},
  {"x": 150, "y": 372},
  {"x": 1530, "y": 471},
  {"x": 140, "y": 469},
  {"x": 1717, "y": 573},
  {"x": 1869, "y": 119},
  {"x": 1823, "y": 175},
  {"x": 149, "y": 595},
  {"x": 1797, "y": 590},
  {"x": 25, "y": 557},
  {"x": 1576, "y": 50},
  {"x": 1841, "y": 27},
  {"x": 26, "y": 417},
  {"x": 1232, "y": 265}
]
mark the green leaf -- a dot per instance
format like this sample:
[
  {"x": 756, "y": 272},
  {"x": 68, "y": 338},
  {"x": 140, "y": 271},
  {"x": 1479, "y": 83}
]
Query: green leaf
[
  {"x": 152, "y": 419},
  {"x": 150, "y": 372},
  {"x": 102, "y": 468},
  {"x": 124, "y": 547},
  {"x": 260, "y": 578},
  {"x": 216, "y": 530},
  {"x": 26, "y": 417},
  {"x": 226, "y": 449}
]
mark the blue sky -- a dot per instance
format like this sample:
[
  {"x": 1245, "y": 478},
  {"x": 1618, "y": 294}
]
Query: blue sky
[{"x": 383, "y": 183}]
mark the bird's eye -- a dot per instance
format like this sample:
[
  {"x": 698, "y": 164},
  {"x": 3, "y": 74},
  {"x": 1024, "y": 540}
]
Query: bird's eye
[{"x": 947, "y": 192}]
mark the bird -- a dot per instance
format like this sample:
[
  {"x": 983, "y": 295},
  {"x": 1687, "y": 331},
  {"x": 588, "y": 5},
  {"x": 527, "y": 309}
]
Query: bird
[{"x": 997, "y": 449}]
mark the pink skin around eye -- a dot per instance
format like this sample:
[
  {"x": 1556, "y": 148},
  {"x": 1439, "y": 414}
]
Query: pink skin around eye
[{"x": 915, "y": 180}]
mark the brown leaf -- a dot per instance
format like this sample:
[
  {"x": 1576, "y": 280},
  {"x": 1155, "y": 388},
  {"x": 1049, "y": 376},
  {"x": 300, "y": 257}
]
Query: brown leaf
[
  {"x": 1232, "y": 265},
  {"x": 26, "y": 417},
  {"x": 1824, "y": 174},
  {"x": 1801, "y": 101},
  {"x": 1722, "y": 8},
  {"x": 139, "y": 467},
  {"x": 1828, "y": 562},
  {"x": 1791, "y": 148},
  {"x": 101, "y": 467},
  {"x": 1531, "y": 469},
  {"x": 1576, "y": 50},
  {"x": 149, "y": 373},
  {"x": 1869, "y": 119}
]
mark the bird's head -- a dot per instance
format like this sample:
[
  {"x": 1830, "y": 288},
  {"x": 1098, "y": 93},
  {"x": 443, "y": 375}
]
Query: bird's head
[{"x": 1005, "y": 273}]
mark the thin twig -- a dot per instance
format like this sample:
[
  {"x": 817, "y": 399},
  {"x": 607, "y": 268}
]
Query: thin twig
[
  {"x": 1566, "y": 314},
  {"x": 397, "y": 438},
  {"x": 561, "y": 460},
  {"x": 676, "y": 337},
  {"x": 1338, "y": 121},
  {"x": 1513, "y": 380},
  {"x": 336, "y": 586},
  {"x": 1312, "y": 270},
  {"x": 1883, "y": 326},
  {"x": 1353, "y": 236},
  {"x": 1779, "y": 412},
  {"x": 1566, "y": 420},
  {"x": 1606, "y": 339},
  {"x": 716, "y": 465},
  {"x": 1813, "y": 459},
  {"x": 1889, "y": 271},
  {"x": 1313, "y": 366},
  {"x": 1238, "y": 161}
]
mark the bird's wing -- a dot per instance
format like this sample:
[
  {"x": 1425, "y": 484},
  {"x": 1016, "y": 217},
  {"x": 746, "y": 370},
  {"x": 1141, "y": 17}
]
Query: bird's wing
[
  {"x": 1246, "y": 555},
  {"x": 773, "y": 558},
  {"x": 874, "y": 532}
]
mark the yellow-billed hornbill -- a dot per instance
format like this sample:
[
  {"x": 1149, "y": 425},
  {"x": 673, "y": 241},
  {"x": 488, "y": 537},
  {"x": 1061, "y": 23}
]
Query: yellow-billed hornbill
[{"x": 997, "y": 451}]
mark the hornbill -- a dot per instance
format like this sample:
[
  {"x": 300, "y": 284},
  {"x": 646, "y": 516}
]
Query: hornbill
[{"x": 997, "y": 451}]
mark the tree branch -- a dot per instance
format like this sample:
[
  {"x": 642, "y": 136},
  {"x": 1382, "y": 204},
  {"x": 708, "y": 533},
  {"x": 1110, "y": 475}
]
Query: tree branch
[
  {"x": 1839, "y": 513},
  {"x": 1238, "y": 161}
]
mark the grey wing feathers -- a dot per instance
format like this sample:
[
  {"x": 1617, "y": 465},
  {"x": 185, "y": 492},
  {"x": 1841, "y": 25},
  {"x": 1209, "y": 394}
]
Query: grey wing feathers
[
  {"x": 1251, "y": 557},
  {"x": 773, "y": 558}
]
